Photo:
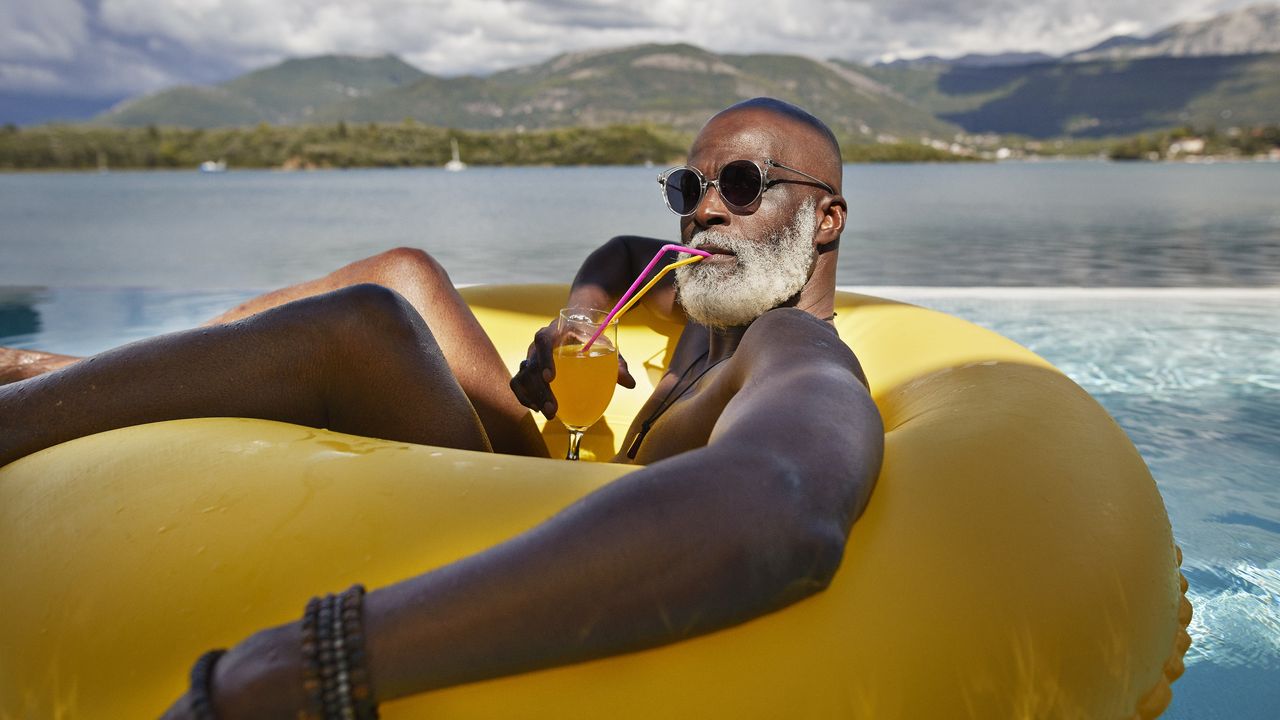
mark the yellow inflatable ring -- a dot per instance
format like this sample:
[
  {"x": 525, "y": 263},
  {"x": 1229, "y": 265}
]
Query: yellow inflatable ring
[{"x": 1015, "y": 559}]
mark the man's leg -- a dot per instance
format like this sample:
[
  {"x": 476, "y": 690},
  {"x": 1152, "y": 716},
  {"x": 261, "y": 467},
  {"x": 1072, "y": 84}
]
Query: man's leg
[
  {"x": 307, "y": 363},
  {"x": 470, "y": 353},
  {"x": 18, "y": 365},
  {"x": 426, "y": 286}
]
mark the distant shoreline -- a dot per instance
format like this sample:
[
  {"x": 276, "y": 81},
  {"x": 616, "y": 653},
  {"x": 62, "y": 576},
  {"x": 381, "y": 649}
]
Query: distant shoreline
[
  {"x": 89, "y": 148},
  {"x": 371, "y": 145},
  {"x": 1039, "y": 159}
]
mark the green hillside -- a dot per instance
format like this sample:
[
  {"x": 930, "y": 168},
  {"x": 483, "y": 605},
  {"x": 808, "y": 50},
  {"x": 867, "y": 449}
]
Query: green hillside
[
  {"x": 920, "y": 85},
  {"x": 286, "y": 93},
  {"x": 677, "y": 86},
  {"x": 680, "y": 86},
  {"x": 294, "y": 89},
  {"x": 1096, "y": 99},
  {"x": 197, "y": 107}
]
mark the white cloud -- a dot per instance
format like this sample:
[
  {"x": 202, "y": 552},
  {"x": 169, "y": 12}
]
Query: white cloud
[
  {"x": 41, "y": 30},
  {"x": 126, "y": 46},
  {"x": 24, "y": 76}
]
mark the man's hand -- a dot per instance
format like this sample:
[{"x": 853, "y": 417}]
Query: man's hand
[{"x": 532, "y": 382}]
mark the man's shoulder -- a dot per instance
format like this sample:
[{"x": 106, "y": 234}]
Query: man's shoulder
[
  {"x": 792, "y": 338},
  {"x": 790, "y": 325}
]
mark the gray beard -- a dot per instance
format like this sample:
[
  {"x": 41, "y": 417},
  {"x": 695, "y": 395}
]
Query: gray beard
[{"x": 768, "y": 272}]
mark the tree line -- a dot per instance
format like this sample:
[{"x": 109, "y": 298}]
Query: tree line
[
  {"x": 344, "y": 145},
  {"x": 313, "y": 146},
  {"x": 1236, "y": 142}
]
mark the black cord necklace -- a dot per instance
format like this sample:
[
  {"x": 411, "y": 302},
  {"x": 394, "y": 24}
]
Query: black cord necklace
[{"x": 668, "y": 401}]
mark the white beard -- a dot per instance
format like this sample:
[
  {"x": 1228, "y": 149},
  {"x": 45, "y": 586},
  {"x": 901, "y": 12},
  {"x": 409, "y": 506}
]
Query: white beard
[{"x": 768, "y": 272}]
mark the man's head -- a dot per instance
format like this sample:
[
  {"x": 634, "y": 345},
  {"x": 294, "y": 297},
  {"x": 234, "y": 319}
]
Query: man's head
[{"x": 781, "y": 245}]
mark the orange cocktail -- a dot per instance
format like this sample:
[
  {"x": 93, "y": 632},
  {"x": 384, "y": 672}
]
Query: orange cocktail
[{"x": 584, "y": 383}]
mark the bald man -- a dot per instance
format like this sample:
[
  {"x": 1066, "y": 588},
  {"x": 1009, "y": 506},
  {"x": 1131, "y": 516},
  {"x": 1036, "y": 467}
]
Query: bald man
[{"x": 761, "y": 444}]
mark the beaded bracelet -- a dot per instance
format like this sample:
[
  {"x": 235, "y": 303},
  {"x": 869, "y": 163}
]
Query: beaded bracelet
[
  {"x": 311, "y": 685},
  {"x": 352, "y": 618},
  {"x": 201, "y": 693},
  {"x": 335, "y": 678}
]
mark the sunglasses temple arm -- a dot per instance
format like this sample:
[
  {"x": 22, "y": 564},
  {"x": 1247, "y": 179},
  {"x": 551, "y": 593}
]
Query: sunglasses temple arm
[{"x": 774, "y": 163}]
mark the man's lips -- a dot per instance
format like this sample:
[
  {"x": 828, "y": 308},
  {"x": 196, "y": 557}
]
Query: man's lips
[{"x": 718, "y": 254}]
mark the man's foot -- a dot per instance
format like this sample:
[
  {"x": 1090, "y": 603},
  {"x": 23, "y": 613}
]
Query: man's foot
[{"x": 18, "y": 365}]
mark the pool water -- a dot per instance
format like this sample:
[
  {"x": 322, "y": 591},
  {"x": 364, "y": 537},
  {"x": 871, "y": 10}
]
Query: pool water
[{"x": 1193, "y": 375}]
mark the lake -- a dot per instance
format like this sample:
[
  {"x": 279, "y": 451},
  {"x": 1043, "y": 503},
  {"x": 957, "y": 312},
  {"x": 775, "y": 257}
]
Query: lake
[
  {"x": 1156, "y": 287},
  {"x": 1043, "y": 224}
]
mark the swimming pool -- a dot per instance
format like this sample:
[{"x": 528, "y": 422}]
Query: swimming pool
[{"x": 1193, "y": 375}]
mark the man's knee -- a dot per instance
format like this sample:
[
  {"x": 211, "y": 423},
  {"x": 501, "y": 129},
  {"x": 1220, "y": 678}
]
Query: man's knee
[
  {"x": 371, "y": 301},
  {"x": 369, "y": 310},
  {"x": 412, "y": 265}
]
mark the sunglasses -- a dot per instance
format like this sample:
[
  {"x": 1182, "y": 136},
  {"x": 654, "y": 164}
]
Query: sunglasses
[{"x": 740, "y": 183}]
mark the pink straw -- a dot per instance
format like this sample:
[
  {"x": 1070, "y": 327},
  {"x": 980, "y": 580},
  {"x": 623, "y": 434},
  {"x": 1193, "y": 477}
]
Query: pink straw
[{"x": 639, "y": 279}]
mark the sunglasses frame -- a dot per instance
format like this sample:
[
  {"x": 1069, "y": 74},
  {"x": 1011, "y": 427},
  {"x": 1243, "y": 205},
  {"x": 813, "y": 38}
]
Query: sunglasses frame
[{"x": 704, "y": 183}]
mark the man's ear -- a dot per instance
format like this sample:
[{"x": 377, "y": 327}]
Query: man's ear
[{"x": 832, "y": 211}]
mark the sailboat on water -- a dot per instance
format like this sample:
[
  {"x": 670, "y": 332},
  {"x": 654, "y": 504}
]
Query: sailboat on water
[{"x": 456, "y": 163}]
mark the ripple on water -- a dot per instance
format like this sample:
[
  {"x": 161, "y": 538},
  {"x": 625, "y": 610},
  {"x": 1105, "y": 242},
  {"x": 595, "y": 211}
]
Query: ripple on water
[{"x": 1237, "y": 616}]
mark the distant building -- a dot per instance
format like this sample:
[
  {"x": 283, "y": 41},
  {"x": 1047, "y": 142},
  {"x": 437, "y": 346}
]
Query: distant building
[{"x": 1186, "y": 146}]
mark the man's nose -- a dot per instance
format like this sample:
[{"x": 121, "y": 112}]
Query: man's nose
[{"x": 712, "y": 210}]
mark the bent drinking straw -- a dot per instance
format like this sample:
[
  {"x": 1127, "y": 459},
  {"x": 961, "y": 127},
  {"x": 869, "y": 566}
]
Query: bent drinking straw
[
  {"x": 626, "y": 301},
  {"x": 636, "y": 298}
]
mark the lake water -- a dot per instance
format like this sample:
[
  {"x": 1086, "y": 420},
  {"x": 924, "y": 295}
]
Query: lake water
[
  {"x": 1156, "y": 287},
  {"x": 1038, "y": 224}
]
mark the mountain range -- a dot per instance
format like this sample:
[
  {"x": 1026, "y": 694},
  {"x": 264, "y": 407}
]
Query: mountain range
[
  {"x": 677, "y": 86},
  {"x": 1222, "y": 71},
  {"x": 1246, "y": 31}
]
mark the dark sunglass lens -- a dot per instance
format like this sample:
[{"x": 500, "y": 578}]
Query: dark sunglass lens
[
  {"x": 740, "y": 183},
  {"x": 683, "y": 191}
]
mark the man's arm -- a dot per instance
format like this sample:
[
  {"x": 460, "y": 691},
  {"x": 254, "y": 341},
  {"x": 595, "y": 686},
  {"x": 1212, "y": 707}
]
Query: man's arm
[{"x": 752, "y": 522}]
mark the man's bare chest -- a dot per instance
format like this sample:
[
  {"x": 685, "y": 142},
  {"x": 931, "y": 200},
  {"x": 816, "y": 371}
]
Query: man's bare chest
[{"x": 679, "y": 416}]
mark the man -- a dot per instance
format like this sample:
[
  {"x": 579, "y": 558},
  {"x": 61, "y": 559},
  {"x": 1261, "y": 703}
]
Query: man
[{"x": 761, "y": 444}]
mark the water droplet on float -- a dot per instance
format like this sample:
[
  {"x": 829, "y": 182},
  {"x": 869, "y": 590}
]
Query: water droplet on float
[{"x": 162, "y": 529}]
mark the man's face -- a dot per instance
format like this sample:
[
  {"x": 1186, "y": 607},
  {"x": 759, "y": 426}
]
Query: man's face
[
  {"x": 763, "y": 254},
  {"x": 748, "y": 277}
]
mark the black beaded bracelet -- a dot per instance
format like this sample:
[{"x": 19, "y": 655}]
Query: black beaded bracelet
[
  {"x": 201, "y": 692},
  {"x": 360, "y": 692},
  {"x": 335, "y": 677},
  {"x": 311, "y": 684}
]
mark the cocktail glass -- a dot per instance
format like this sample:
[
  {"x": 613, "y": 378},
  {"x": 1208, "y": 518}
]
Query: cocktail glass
[{"x": 584, "y": 381}]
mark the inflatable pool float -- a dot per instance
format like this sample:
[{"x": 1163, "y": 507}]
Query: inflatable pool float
[{"x": 1015, "y": 559}]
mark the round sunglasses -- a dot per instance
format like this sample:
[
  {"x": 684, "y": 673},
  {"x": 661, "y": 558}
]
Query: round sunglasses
[{"x": 740, "y": 184}]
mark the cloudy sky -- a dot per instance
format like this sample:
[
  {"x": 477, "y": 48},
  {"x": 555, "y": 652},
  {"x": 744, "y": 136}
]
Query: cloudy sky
[{"x": 114, "y": 48}]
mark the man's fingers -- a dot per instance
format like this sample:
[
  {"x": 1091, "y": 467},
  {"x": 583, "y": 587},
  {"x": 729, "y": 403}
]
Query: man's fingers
[
  {"x": 543, "y": 353},
  {"x": 530, "y": 389},
  {"x": 522, "y": 397},
  {"x": 532, "y": 381},
  {"x": 624, "y": 374}
]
